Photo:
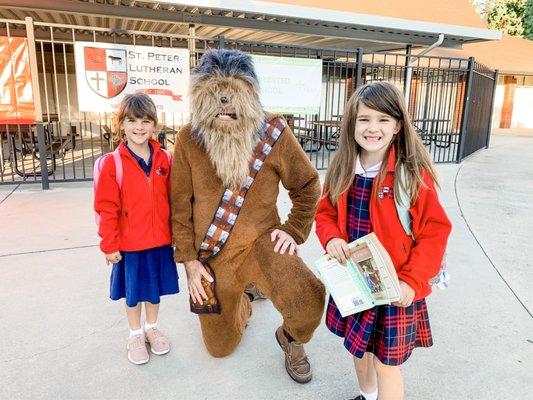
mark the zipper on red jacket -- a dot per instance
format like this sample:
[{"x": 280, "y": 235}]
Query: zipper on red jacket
[{"x": 150, "y": 189}]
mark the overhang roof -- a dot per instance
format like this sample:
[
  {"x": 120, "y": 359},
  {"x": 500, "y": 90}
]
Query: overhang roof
[
  {"x": 252, "y": 21},
  {"x": 449, "y": 12},
  {"x": 511, "y": 55}
]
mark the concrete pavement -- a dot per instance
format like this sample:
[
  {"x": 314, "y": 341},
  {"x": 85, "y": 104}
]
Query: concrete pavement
[{"x": 64, "y": 339}]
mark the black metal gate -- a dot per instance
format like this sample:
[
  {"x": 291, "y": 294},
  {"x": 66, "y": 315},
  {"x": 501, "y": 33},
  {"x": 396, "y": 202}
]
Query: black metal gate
[
  {"x": 435, "y": 89},
  {"x": 475, "y": 132}
]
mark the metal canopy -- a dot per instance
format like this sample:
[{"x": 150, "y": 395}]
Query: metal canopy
[{"x": 249, "y": 20}]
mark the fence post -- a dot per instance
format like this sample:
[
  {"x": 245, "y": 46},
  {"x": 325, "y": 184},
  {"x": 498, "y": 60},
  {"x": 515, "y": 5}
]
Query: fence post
[
  {"x": 32, "y": 54},
  {"x": 466, "y": 109},
  {"x": 221, "y": 42},
  {"x": 191, "y": 44},
  {"x": 487, "y": 142},
  {"x": 408, "y": 73},
  {"x": 359, "y": 69}
]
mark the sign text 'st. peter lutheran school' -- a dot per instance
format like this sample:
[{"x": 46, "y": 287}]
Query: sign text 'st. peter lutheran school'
[{"x": 106, "y": 72}]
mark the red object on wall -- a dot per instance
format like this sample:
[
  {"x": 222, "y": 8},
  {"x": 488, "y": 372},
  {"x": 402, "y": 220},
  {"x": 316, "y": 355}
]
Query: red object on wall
[{"x": 16, "y": 92}]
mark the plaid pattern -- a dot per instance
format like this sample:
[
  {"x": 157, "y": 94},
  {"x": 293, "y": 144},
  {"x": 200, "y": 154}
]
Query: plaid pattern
[
  {"x": 231, "y": 202},
  {"x": 389, "y": 332},
  {"x": 358, "y": 208}
]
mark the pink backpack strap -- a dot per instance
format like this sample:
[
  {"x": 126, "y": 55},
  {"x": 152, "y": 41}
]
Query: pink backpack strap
[
  {"x": 99, "y": 163},
  {"x": 118, "y": 168},
  {"x": 96, "y": 170},
  {"x": 169, "y": 156}
]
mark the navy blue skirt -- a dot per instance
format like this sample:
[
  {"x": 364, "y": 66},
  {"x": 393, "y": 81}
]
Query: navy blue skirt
[{"x": 144, "y": 276}]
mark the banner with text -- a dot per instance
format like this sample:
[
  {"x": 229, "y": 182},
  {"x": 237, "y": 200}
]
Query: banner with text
[
  {"x": 16, "y": 93},
  {"x": 106, "y": 72},
  {"x": 289, "y": 85}
]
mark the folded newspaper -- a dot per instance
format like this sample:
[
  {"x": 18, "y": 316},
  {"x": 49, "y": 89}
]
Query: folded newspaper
[{"x": 367, "y": 280}]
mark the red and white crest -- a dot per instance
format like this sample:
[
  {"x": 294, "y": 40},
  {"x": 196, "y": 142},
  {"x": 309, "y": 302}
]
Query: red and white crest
[{"x": 106, "y": 70}]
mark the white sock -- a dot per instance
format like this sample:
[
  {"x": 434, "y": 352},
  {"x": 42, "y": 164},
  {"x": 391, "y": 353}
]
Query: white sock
[
  {"x": 370, "y": 396},
  {"x": 149, "y": 326},
  {"x": 136, "y": 332}
]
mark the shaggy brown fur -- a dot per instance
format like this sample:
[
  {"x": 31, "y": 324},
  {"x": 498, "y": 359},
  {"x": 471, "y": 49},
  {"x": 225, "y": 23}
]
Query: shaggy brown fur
[
  {"x": 212, "y": 154},
  {"x": 248, "y": 255},
  {"x": 229, "y": 144}
]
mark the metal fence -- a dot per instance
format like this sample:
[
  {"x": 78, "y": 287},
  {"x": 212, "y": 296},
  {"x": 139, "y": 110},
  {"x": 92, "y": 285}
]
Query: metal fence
[
  {"x": 435, "y": 95},
  {"x": 317, "y": 133},
  {"x": 65, "y": 141},
  {"x": 70, "y": 140},
  {"x": 478, "y": 109}
]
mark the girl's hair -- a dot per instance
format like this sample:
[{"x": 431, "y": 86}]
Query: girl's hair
[
  {"x": 410, "y": 152},
  {"x": 136, "y": 105}
]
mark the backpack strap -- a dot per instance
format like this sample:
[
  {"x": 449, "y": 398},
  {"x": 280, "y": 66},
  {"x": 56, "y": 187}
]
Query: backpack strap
[
  {"x": 96, "y": 170},
  {"x": 403, "y": 202},
  {"x": 118, "y": 167},
  {"x": 98, "y": 164},
  {"x": 169, "y": 156}
]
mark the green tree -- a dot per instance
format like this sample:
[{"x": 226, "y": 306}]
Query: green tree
[
  {"x": 507, "y": 16},
  {"x": 527, "y": 21}
]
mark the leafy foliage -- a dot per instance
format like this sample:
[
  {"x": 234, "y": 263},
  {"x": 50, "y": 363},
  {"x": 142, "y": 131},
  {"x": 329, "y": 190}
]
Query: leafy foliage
[{"x": 507, "y": 16}]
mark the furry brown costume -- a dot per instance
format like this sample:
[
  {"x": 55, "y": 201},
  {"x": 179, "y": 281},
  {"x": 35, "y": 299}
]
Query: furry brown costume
[{"x": 213, "y": 153}]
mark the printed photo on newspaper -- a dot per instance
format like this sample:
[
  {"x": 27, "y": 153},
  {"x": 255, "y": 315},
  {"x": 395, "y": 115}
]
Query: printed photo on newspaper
[{"x": 368, "y": 278}]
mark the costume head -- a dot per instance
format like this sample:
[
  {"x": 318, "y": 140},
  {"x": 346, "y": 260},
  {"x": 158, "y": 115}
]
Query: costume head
[{"x": 226, "y": 114}]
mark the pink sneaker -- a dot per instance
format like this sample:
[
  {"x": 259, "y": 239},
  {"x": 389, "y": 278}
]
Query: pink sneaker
[
  {"x": 137, "y": 351},
  {"x": 159, "y": 344}
]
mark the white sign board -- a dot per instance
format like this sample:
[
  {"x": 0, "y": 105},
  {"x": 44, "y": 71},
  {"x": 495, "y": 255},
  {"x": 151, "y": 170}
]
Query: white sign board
[
  {"x": 106, "y": 72},
  {"x": 289, "y": 85}
]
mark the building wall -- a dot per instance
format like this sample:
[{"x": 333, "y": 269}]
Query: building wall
[{"x": 512, "y": 102}]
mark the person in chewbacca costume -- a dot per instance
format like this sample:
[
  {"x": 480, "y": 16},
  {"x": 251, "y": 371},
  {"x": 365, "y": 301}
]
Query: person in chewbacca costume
[{"x": 214, "y": 155}]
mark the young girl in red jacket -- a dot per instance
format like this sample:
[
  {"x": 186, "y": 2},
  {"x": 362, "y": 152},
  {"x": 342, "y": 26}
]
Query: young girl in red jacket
[
  {"x": 377, "y": 137},
  {"x": 135, "y": 225}
]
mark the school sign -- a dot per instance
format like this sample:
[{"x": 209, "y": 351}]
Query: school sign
[
  {"x": 106, "y": 72},
  {"x": 289, "y": 85}
]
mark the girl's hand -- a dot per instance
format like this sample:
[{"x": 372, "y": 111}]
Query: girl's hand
[
  {"x": 338, "y": 249},
  {"x": 113, "y": 258},
  {"x": 285, "y": 241},
  {"x": 408, "y": 294},
  {"x": 195, "y": 271}
]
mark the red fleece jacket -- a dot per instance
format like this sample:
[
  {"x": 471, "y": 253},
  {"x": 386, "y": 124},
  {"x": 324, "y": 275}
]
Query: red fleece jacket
[
  {"x": 136, "y": 217},
  {"x": 415, "y": 261}
]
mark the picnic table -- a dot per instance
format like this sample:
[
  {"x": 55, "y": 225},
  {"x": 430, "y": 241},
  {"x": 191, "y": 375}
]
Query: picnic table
[
  {"x": 313, "y": 134},
  {"x": 327, "y": 132},
  {"x": 430, "y": 131},
  {"x": 22, "y": 141}
]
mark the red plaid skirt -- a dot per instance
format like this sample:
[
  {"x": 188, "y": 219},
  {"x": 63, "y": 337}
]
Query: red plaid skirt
[{"x": 389, "y": 332}]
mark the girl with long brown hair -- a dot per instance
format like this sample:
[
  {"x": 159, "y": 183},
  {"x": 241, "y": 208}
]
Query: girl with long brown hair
[{"x": 378, "y": 144}]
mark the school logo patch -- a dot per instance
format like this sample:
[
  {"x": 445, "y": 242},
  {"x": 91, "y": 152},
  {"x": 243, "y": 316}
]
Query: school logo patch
[
  {"x": 386, "y": 193},
  {"x": 161, "y": 171},
  {"x": 106, "y": 70}
]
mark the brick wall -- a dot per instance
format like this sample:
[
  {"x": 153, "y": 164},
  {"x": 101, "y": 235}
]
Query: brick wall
[{"x": 509, "y": 83}]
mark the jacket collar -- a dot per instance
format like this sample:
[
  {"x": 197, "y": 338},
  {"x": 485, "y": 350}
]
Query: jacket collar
[
  {"x": 391, "y": 159},
  {"x": 122, "y": 149}
]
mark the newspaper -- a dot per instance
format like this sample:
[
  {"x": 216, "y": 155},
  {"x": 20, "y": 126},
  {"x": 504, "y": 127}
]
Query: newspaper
[{"x": 368, "y": 279}]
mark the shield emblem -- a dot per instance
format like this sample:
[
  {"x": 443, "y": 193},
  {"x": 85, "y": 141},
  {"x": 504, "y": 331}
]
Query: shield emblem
[{"x": 106, "y": 70}]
